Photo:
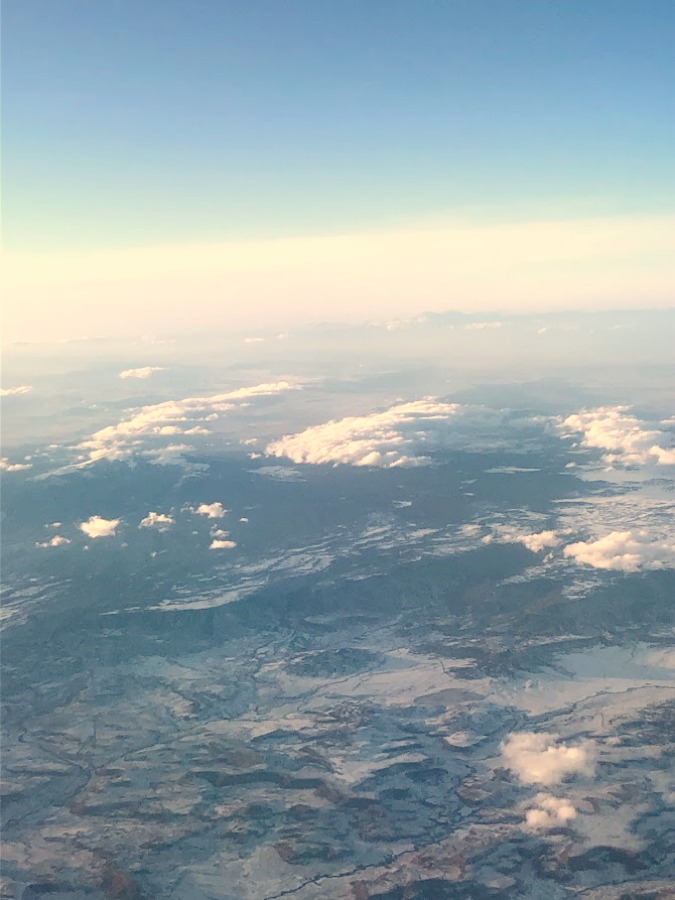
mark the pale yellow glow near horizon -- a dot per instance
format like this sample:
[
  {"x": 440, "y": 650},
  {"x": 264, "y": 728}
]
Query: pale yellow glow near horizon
[{"x": 601, "y": 263}]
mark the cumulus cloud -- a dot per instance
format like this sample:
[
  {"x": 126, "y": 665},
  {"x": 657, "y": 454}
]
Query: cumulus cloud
[
  {"x": 56, "y": 541},
  {"x": 625, "y": 551},
  {"x": 219, "y": 532},
  {"x": 97, "y": 527},
  {"x": 386, "y": 439},
  {"x": 168, "y": 419},
  {"x": 143, "y": 372},
  {"x": 623, "y": 436},
  {"x": 542, "y": 540},
  {"x": 161, "y": 521},
  {"x": 218, "y": 544},
  {"x": 548, "y": 812},
  {"x": 211, "y": 510},
  {"x": 540, "y": 758},
  {"x": 7, "y": 466},
  {"x": 21, "y": 389}
]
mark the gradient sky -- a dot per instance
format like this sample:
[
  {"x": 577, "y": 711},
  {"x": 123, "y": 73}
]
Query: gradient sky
[{"x": 145, "y": 136}]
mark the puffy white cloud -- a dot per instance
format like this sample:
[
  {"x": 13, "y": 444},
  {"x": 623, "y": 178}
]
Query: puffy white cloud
[
  {"x": 219, "y": 532},
  {"x": 161, "y": 521},
  {"x": 540, "y": 758},
  {"x": 211, "y": 510},
  {"x": 7, "y": 466},
  {"x": 56, "y": 541},
  {"x": 143, "y": 372},
  {"x": 21, "y": 389},
  {"x": 384, "y": 439},
  {"x": 97, "y": 527},
  {"x": 218, "y": 544},
  {"x": 622, "y": 435},
  {"x": 549, "y": 812},
  {"x": 167, "y": 419},
  {"x": 540, "y": 541},
  {"x": 625, "y": 551}
]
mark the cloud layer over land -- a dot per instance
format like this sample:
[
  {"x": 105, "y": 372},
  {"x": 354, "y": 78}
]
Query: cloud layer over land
[
  {"x": 171, "y": 419},
  {"x": 623, "y": 436}
]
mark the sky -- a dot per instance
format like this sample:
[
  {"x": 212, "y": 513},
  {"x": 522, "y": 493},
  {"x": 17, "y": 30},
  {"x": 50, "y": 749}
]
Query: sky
[{"x": 173, "y": 165}]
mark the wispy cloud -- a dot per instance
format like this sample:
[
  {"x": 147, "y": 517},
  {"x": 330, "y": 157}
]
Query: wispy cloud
[
  {"x": 56, "y": 541},
  {"x": 143, "y": 372},
  {"x": 21, "y": 389}
]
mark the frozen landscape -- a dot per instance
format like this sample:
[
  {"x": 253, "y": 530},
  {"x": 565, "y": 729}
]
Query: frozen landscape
[{"x": 295, "y": 628}]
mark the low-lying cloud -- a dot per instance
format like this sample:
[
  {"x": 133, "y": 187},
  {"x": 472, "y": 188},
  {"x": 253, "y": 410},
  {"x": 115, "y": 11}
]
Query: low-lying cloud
[
  {"x": 624, "y": 551},
  {"x": 7, "y": 466},
  {"x": 402, "y": 435},
  {"x": 160, "y": 521},
  {"x": 625, "y": 439},
  {"x": 56, "y": 541},
  {"x": 541, "y": 758},
  {"x": 98, "y": 527},
  {"x": 139, "y": 433},
  {"x": 549, "y": 812},
  {"x": 211, "y": 510}
]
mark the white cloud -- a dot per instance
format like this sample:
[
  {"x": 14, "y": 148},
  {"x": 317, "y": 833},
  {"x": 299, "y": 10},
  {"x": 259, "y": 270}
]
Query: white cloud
[
  {"x": 7, "y": 466},
  {"x": 56, "y": 541},
  {"x": 542, "y": 759},
  {"x": 97, "y": 527},
  {"x": 222, "y": 545},
  {"x": 211, "y": 510},
  {"x": 384, "y": 439},
  {"x": 157, "y": 520},
  {"x": 219, "y": 532},
  {"x": 625, "y": 551},
  {"x": 512, "y": 534},
  {"x": 143, "y": 372},
  {"x": 623, "y": 436},
  {"x": 482, "y": 326},
  {"x": 21, "y": 389},
  {"x": 167, "y": 419},
  {"x": 549, "y": 812},
  {"x": 540, "y": 541}
]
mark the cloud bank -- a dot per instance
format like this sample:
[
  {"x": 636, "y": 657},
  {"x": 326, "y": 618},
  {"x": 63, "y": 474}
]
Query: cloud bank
[
  {"x": 625, "y": 439},
  {"x": 170, "y": 419},
  {"x": 625, "y": 551},
  {"x": 399, "y": 436},
  {"x": 543, "y": 759},
  {"x": 97, "y": 527}
]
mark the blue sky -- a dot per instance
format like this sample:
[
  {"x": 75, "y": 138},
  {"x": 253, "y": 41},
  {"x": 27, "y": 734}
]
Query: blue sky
[{"x": 132, "y": 123}]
